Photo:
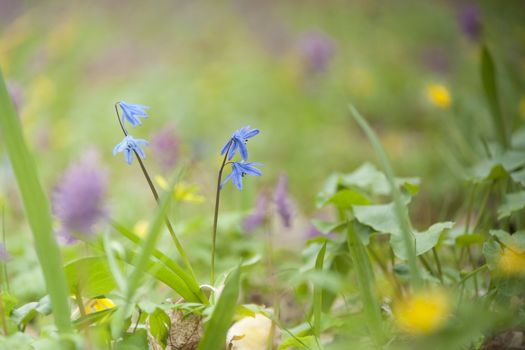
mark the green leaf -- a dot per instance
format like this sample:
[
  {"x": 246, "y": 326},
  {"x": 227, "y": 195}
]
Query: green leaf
[
  {"x": 25, "y": 313},
  {"x": 133, "y": 341},
  {"x": 488, "y": 77},
  {"x": 516, "y": 241},
  {"x": 511, "y": 202},
  {"x": 299, "y": 343},
  {"x": 91, "y": 274},
  {"x": 519, "y": 176},
  {"x": 344, "y": 199},
  {"x": 499, "y": 166},
  {"x": 492, "y": 252},
  {"x": 326, "y": 227},
  {"x": 159, "y": 326},
  {"x": 37, "y": 209},
  {"x": 380, "y": 217},
  {"x": 318, "y": 293},
  {"x": 424, "y": 241},
  {"x": 216, "y": 328},
  {"x": 93, "y": 318},
  {"x": 367, "y": 177}
]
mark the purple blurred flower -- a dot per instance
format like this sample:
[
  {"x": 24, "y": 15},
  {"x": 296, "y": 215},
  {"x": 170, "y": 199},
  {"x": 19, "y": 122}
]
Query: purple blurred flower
[
  {"x": 282, "y": 201},
  {"x": 258, "y": 216},
  {"x": 165, "y": 147},
  {"x": 470, "y": 21},
  {"x": 79, "y": 197},
  {"x": 4, "y": 255},
  {"x": 317, "y": 49}
]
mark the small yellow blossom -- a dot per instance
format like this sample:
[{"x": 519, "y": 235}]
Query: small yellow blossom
[
  {"x": 98, "y": 304},
  {"x": 182, "y": 191},
  {"x": 438, "y": 95},
  {"x": 249, "y": 333},
  {"x": 512, "y": 261},
  {"x": 423, "y": 312},
  {"x": 141, "y": 228}
]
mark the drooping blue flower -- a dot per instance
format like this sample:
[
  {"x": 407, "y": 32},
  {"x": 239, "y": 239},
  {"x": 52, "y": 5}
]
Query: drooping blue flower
[
  {"x": 130, "y": 145},
  {"x": 238, "y": 141},
  {"x": 132, "y": 112},
  {"x": 239, "y": 170}
]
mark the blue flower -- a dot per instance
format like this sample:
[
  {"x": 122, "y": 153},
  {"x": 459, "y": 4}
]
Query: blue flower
[
  {"x": 238, "y": 141},
  {"x": 132, "y": 113},
  {"x": 239, "y": 169},
  {"x": 130, "y": 145}
]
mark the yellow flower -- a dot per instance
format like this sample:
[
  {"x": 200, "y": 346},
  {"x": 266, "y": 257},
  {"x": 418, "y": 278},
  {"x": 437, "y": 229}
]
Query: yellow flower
[
  {"x": 98, "y": 304},
  {"x": 249, "y": 333},
  {"x": 512, "y": 261},
  {"x": 182, "y": 191},
  {"x": 438, "y": 95},
  {"x": 141, "y": 228},
  {"x": 423, "y": 312}
]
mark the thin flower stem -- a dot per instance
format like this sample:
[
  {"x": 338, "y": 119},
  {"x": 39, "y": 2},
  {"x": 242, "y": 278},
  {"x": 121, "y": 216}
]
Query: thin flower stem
[
  {"x": 216, "y": 214},
  {"x": 80, "y": 304},
  {"x": 438, "y": 264},
  {"x": 178, "y": 245}
]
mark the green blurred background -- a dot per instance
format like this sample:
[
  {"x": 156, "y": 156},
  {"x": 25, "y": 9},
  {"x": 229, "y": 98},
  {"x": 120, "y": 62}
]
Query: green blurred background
[{"x": 289, "y": 68}]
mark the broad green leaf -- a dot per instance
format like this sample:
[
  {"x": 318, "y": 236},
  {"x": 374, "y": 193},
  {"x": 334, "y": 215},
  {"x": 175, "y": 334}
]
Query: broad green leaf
[
  {"x": 516, "y": 241},
  {"x": 519, "y": 176},
  {"x": 511, "y": 202},
  {"x": 133, "y": 341},
  {"x": 488, "y": 77},
  {"x": 318, "y": 292},
  {"x": 326, "y": 227},
  {"x": 499, "y": 166},
  {"x": 424, "y": 241},
  {"x": 159, "y": 326},
  {"x": 216, "y": 328},
  {"x": 492, "y": 252},
  {"x": 91, "y": 275},
  {"x": 370, "y": 179},
  {"x": 380, "y": 217},
  {"x": 25, "y": 313},
  {"x": 344, "y": 199},
  {"x": 37, "y": 209}
]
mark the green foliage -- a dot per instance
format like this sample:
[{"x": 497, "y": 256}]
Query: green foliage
[
  {"x": 159, "y": 326},
  {"x": 89, "y": 276},
  {"x": 217, "y": 326}
]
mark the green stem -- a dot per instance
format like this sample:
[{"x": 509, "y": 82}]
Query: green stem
[
  {"x": 178, "y": 245},
  {"x": 216, "y": 215},
  {"x": 438, "y": 264}
]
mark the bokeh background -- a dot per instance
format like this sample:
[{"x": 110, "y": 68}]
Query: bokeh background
[{"x": 289, "y": 68}]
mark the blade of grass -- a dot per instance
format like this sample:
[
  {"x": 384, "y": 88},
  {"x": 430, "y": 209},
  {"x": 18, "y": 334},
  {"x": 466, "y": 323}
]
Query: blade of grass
[
  {"x": 366, "y": 280},
  {"x": 141, "y": 262},
  {"x": 37, "y": 210},
  {"x": 400, "y": 208},
  {"x": 318, "y": 294},
  {"x": 217, "y": 327},
  {"x": 188, "y": 279},
  {"x": 490, "y": 87}
]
